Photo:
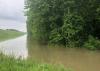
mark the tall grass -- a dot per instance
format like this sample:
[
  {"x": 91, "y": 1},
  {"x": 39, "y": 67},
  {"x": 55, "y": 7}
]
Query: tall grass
[{"x": 11, "y": 64}]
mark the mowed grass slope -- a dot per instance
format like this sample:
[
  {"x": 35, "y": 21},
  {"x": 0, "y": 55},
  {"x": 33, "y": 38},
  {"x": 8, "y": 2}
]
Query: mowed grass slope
[
  {"x": 11, "y": 64},
  {"x": 8, "y": 34}
]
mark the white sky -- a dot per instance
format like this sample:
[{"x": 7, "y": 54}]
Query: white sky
[{"x": 12, "y": 14}]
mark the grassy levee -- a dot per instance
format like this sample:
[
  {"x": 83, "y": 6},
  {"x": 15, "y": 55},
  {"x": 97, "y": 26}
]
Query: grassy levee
[
  {"x": 8, "y": 34},
  {"x": 11, "y": 64}
]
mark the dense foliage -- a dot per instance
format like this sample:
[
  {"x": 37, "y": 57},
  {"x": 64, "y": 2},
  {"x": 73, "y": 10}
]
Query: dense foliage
[{"x": 67, "y": 22}]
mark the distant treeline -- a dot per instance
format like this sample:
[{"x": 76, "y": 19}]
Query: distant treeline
[
  {"x": 73, "y": 23},
  {"x": 10, "y": 30}
]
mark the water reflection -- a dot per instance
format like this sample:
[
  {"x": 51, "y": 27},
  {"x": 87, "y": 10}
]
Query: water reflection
[
  {"x": 75, "y": 58},
  {"x": 15, "y": 47}
]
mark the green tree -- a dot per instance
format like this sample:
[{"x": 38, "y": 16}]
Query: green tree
[{"x": 67, "y": 22}]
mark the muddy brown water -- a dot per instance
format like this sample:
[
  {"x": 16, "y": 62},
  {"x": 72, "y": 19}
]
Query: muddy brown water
[{"x": 75, "y": 58}]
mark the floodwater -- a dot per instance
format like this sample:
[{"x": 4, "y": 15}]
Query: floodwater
[
  {"x": 75, "y": 58},
  {"x": 15, "y": 47}
]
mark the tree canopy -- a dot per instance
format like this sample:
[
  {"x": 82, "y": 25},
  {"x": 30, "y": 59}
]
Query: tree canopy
[{"x": 65, "y": 22}]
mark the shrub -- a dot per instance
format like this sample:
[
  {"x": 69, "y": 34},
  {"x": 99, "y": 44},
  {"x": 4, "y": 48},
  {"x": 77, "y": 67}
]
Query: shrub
[{"x": 92, "y": 43}]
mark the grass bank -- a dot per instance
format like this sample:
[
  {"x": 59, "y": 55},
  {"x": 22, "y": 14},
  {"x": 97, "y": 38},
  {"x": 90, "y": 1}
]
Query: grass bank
[
  {"x": 11, "y": 64},
  {"x": 9, "y": 33}
]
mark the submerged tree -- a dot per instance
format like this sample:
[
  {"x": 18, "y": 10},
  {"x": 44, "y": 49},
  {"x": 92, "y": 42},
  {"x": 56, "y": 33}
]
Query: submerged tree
[{"x": 67, "y": 22}]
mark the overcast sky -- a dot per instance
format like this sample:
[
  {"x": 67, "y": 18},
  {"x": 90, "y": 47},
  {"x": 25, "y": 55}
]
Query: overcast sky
[{"x": 12, "y": 14}]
